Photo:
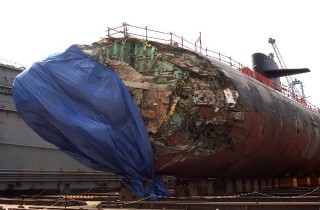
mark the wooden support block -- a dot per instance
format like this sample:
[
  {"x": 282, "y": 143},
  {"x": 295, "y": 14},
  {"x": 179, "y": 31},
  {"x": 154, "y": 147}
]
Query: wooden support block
[
  {"x": 202, "y": 187},
  {"x": 229, "y": 186},
  {"x": 269, "y": 184},
  {"x": 248, "y": 186},
  {"x": 193, "y": 189},
  {"x": 209, "y": 187},
  {"x": 126, "y": 194},
  {"x": 303, "y": 181},
  {"x": 239, "y": 185},
  {"x": 263, "y": 184},
  {"x": 315, "y": 181},
  {"x": 256, "y": 184},
  {"x": 275, "y": 183},
  {"x": 288, "y": 182}
]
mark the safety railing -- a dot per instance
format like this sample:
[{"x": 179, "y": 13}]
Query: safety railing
[
  {"x": 127, "y": 30},
  {"x": 260, "y": 78},
  {"x": 11, "y": 63},
  {"x": 281, "y": 89}
]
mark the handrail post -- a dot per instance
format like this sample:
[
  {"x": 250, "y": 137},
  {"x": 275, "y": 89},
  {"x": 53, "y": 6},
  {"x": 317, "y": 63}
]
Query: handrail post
[
  {"x": 125, "y": 30},
  {"x": 171, "y": 38},
  {"x": 195, "y": 46},
  {"x": 206, "y": 51},
  {"x": 219, "y": 56},
  {"x": 230, "y": 61},
  {"x": 146, "y": 33},
  {"x": 182, "y": 41},
  {"x": 108, "y": 32},
  {"x": 200, "y": 44}
]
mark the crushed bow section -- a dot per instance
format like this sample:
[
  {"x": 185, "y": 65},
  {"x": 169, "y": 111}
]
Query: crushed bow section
[{"x": 180, "y": 95}]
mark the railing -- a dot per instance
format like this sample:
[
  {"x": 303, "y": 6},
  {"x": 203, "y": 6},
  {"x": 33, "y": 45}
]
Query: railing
[
  {"x": 127, "y": 30},
  {"x": 260, "y": 78},
  {"x": 281, "y": 89},
  {"x": 11, "y": 63}
]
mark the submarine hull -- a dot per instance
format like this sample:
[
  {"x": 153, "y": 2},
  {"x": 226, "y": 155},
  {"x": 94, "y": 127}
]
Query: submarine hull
[
  {"x": 265, "y": 135},
  {"x": 207, "y": 119}
]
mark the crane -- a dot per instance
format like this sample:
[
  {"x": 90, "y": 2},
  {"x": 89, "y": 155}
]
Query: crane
[{"x": 294, "y": 92}]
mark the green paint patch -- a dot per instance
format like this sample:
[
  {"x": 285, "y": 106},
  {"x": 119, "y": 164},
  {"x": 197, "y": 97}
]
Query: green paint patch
[
  {"x": 176, "y": 118},
  {"x": 143, "y": 57}
]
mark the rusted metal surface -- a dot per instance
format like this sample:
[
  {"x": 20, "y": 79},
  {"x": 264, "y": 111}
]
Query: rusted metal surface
[{"x": 206, "y": 119}]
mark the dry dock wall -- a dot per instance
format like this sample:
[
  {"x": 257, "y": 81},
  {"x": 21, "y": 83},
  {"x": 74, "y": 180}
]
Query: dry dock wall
[{"x": 27, "y": 162}]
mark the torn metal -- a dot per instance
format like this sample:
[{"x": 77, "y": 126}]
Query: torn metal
[
  {"x": 169, "y": 86},
  {"x": 204, "y": 118}
]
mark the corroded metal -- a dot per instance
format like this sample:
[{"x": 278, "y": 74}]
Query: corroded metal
[{"x": 207, "y": 119}]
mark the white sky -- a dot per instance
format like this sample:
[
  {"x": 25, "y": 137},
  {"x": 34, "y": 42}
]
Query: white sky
[{"x": 33, "y": 29}]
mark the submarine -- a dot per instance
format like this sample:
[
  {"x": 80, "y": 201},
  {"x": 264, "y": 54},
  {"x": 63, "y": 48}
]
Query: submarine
[
  {"x": 204, "y": 118},
  {"x": 208, "y": 119}
]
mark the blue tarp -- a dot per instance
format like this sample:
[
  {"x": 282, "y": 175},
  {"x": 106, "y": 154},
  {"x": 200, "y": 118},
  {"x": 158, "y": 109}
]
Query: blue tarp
[{"x": 84, "y": 109}]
